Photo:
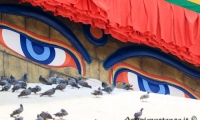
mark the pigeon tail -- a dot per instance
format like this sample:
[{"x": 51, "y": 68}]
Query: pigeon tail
[
  {"x": 88, "y": 86},
  {"x": 93, "y": 93}
]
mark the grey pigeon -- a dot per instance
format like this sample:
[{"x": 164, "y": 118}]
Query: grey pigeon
[
  {"x": 138, "y": 114},
  {"x": 24, "y": 78},
  {"x": 73, "y": 83},
  {"x": 59, "y": 80},
  {"x": 35, "y": 89},
  {"x": 53, "y": 80},
  {"x": 109, "y": 89},
  {"x": 22, "y": 83},
  {"x": 104, "y": 84},
  {"x": 61, "y": 114},
  {"x": 3, "y": 77},
  {"x": 18, "y": 111},
  {"x": 25, "y": 92},
  {"x": 16, "y": 87},
  {"x": 145, "y": 96},
  {"x": 18, "y": 118},
  {"x": 46, "y": 115},
  {"x": 83, "y": 83},
  {"x": 126, "y": 86},
  {"x": 61, "y": 86},
  {"x": 6, "y": 87},
  {"x": 71, "y": 80},
  {"x": 49, "y": 92},
  {"x": 39, "y": 118},
  {"x": 12, "y": 80},
  {"x": 97, "y": 92},
  {"x": 44, "y": 81},
  {"x": 3, "y": 82}
]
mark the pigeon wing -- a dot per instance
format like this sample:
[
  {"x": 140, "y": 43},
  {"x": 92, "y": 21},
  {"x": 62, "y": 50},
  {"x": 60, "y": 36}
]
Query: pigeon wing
[
  {"x": 18, "y": 111},
  {"x": 59, "y": 114},
  {"x": 38, "y": 88}
]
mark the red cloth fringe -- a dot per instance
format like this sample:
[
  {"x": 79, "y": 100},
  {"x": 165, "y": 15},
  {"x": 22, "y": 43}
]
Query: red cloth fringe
[{"x": 155, "y": 23}]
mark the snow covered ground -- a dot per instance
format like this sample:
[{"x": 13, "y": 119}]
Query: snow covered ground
[{"x": 81, "y": 105}]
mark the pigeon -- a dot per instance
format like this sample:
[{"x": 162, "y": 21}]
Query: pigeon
[
  {"x": 24, "y": 78},
  {"x": 53, "y": 80},
  {"x": 83, "y": 83},
  {"x": 49, "y": 92},
  {"x": 39, "y": 118},
  {"x": 12, "y": 80},
  {"x": 23, "y": 84},
  {"x": 97, "y": 92},
  {"x": 145, "y": 96},
  {"x": 126, "y": 86},
  {"x": 16, "y": 87},
  {"x": 61, "y": 114},
  {"x": 46, "y": 115},
  {"x": 18, "y": 111},
  {"x": 3, "y": 82},
  {"x": 104, "y": 84},
  {"x": 138, "y": 114},
  {"x": 44, "y": 81},
  {"x": 109, "y": 89},
  {"x": 3, "y": 77},
  {"x": 59, "y": 80},
  {"x": 61, "y": 86},
  {"x": 25, "y": 92},
  {"x": 73, "y": 83},
  {"x": 35, "y": 89},
  {"x": 70, "y": 80},
  {"x": 6, "y": 87},
  {"x": 18, "y": 118}
]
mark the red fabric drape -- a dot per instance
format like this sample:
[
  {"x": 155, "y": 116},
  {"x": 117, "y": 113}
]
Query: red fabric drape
[{"x": 155, "y": 23}]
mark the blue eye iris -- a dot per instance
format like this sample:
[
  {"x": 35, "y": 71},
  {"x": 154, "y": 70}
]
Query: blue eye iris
[
  {"x": 37, "y": 52},
  {"x": 151, "y": 87}
]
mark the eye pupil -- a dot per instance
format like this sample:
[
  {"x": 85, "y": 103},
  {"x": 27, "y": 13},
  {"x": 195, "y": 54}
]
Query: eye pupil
[
  {"x": 44, "y": 56},
  {"x": 38, "y": 49}
]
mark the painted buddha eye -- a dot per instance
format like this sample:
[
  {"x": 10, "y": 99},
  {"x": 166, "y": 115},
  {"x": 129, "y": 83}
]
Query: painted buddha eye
[
  {"x": 149, "y": 85},
  {"x": 40, "y": 52}
]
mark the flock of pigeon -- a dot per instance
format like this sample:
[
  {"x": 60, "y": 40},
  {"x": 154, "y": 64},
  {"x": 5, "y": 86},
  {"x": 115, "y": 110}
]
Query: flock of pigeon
[{"x": 21, "y": 83}]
